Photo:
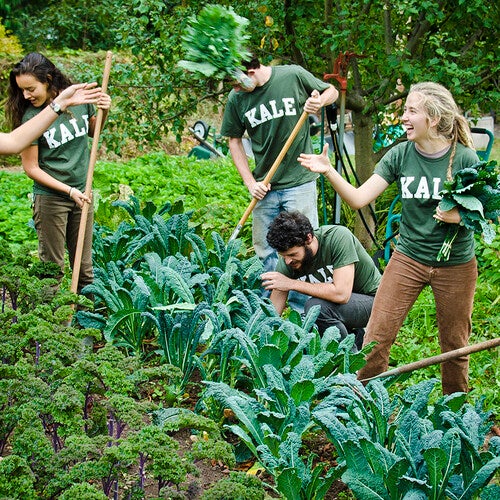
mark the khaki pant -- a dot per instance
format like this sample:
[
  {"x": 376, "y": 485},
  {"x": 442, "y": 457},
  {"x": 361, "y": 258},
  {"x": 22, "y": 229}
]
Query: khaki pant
[
  {"x": 57, "y": 222},
  {"x": 403, "y": 280}
]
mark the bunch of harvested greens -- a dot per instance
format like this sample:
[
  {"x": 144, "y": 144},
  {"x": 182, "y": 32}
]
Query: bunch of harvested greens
[
  {"x": 476, "y": 192},
  {"x": 213, "y": 44}
]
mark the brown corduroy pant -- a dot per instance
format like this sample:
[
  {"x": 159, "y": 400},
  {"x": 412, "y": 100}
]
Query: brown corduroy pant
[{"x": 403, "y": 280}]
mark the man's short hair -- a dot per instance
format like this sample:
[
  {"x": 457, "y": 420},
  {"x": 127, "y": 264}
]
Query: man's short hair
[
  {"x": 289, "y": 229},
  {"x": 252, "y": 63}
]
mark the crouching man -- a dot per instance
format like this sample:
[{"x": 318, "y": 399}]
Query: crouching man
[{"x": 330, "y": 267}]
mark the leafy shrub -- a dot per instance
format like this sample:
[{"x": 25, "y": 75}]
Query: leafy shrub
[
  {"x": 290, "y": 368},
  {"x": 158, "y": 280},
  {"x": 407, "y": 448},
  {"x": 238, "y": 486},
  {"x": 488, "y": 259},
  {"x": 212, "y": 190},
  {"x": 16, "y": 479},
  {"x": 70, "y": 416},
  {"x": 9, "y": 43}
]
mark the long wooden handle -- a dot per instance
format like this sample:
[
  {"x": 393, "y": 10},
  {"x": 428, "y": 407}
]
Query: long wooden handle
[
  {"x": 272, "y": 171},
  {"x": 90, "y": 175},
  {"x": 440, "y": 358}
]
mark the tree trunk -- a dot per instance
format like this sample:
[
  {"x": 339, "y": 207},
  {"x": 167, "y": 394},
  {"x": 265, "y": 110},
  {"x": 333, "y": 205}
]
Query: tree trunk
[{"x": 363, "y": 140}]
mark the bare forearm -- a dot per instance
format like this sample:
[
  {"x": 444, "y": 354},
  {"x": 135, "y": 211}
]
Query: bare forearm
[
  {"x": 241, "y": 161},
  {"x": 20, "y": 138},
  {"x": 329, "y": 96},
  {"x": 346, "y": 191},
  {"x": 278, "y": 298},
  {"x": 93, "y": 123},
  {"x": 44, "y": 179},
  {"x": 325, "y": 291},
  {"x": 339, "y": 290},
  {"x": 25, "y": 134}
]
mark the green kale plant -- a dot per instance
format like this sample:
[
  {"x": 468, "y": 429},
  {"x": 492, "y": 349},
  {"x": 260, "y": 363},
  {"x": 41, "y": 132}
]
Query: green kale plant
[
  {"x": 406, "y": 447},
  {"x": 290, "y": 367},
  {"x": 238, "y": 486},
  {"x": 159, "y": 288},
  {"x": 213, "y": 43},
  {"x": 476, "y": 192}
]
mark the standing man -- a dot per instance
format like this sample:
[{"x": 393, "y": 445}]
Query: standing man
[
  {"x": 330, "y": 266},
  {"x": 268, "y": 113}
]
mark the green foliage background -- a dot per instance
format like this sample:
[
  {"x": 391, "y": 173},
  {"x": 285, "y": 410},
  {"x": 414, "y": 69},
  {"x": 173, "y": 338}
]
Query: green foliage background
[{"x": 213, "y": 189}]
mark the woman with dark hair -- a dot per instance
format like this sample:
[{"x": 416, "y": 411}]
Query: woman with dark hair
[
  {"x": 21, "y": 137},
  {"x": 57, "y": 161}
]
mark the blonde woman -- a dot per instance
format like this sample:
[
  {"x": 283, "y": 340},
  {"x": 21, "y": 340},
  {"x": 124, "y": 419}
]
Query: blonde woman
[{"x": 439, "y": 144}]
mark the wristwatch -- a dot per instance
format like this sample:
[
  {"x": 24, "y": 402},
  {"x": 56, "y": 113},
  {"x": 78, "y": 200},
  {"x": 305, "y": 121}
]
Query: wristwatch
[{"x": 56, "y": 108}]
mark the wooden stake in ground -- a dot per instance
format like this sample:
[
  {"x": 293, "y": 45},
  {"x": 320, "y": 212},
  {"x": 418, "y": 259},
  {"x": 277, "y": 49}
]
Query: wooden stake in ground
[
  {"x": 90, "y": 175},
  {"x": 272, "y": 170},
  {"x": 440, "y": 358}
]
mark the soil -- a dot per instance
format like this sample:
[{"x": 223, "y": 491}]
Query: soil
[{"x": 209, "y": 472}]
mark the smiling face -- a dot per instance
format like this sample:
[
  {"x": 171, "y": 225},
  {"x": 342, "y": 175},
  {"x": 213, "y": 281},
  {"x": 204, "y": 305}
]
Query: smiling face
[
  {"x": 33, "y": 90},
  {"x": 415, "y": 120}
]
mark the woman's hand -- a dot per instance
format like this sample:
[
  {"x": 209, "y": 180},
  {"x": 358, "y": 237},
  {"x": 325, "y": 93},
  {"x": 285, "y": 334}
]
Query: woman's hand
[
  {"x": 80, "y": 93},
  {"x": 78, "y": 197},
  {"x": 450, "y": 216},
  {"x": 104, "y": 101},
  {"x": 316, "y": 163}
]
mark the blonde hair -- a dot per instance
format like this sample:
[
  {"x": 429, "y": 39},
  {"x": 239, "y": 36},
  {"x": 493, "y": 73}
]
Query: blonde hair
[{"x": 452, "y": 126}]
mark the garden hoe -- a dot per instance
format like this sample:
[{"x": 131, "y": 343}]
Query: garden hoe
[
  {"x": 440, "y": 358},
  {"x": 90, "y": 175}
]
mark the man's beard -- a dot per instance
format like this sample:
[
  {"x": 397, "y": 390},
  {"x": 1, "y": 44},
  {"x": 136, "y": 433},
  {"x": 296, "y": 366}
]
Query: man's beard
[{"x": 308, "y": 258}]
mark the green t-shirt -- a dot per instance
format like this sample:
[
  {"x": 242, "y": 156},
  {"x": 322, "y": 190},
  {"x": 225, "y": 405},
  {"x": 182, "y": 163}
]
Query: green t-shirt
[
  {"x": 338, "y": 247},
  {"x": 268, "y": 114},
  {"x": 419, "y": 180},
  {"x": 63, "y": 149}
]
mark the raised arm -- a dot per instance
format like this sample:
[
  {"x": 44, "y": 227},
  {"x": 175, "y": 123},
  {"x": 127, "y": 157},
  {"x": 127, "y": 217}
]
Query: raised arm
[
  {"x": 20, "y": 138},
  {"x": 353, "y": 196}
]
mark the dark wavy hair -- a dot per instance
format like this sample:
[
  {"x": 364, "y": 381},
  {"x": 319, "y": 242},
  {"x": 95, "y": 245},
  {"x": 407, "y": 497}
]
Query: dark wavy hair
[
  {"x": 252, "y": 63},
  {"x": 44, "y": 71},
  {"x": 289, "y": 229}
]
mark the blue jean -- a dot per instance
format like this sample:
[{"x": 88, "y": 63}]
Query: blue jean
[
  {"x": 403, "y": 280},
  {"x": 302, "y": 198}
]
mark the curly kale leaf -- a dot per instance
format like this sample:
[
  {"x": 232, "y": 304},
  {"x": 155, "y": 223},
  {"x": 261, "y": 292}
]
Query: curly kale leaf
[
  {"x": 214, "y": 42},
  {"x": 475, "y": 191}
]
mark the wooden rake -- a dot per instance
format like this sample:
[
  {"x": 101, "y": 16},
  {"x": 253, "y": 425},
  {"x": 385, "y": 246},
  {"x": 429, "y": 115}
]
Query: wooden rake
[
  {"x": 272, "y": 171},
  {"x": 440, "y": 358},
  {"x": 90, "y": 175}
]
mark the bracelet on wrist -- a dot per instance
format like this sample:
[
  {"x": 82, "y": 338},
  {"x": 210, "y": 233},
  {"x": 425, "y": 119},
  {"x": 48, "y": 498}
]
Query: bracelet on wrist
[{"x": 70, "y": 191}]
